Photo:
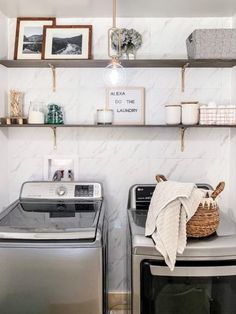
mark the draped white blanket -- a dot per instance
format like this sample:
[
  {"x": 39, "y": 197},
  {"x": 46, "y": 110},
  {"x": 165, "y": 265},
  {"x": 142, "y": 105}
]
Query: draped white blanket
[{"x": 172, "y": 205}]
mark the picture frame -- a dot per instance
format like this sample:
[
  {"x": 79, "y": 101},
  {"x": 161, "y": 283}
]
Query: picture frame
[
  {"x": 128, "y": 104},
  {"x": 29, "y": 37},
  {"x": 67, "y": 42}
]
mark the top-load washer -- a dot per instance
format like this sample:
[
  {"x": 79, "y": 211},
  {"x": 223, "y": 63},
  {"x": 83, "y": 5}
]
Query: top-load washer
[
  {"x": 52, "y": 250},
  {"x": 204, "y": 278}
]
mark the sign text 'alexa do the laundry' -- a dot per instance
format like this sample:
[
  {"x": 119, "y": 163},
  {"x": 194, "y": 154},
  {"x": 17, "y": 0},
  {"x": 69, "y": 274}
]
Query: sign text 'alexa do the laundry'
[{"x": 127, "y": 104}]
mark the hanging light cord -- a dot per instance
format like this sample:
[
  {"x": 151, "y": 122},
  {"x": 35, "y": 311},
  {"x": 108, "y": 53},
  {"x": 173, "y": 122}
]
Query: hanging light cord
[{"x": 114, "y": 14}]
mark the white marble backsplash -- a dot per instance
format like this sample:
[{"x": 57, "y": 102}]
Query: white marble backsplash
[
  {"x": 162, "y": 37},
  {"x": 121, "y": 157}
]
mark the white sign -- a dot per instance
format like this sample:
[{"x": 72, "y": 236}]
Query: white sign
[{"x": 127, "y": 103}]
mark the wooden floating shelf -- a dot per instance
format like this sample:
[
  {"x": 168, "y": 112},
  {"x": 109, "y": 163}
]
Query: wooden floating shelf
[
  {"x": 140, "y": 63},
  {"x": 112, "y": 126}
]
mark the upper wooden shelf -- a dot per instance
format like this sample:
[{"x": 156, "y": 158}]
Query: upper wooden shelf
[{"x": 140, "y": 63}]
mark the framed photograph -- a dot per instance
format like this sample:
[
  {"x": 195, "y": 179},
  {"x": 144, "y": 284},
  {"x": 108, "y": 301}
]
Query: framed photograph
[
  {"x": 67, "y": 42},
  {"x": 29, "y": 37},
  {"x": 128, "y": 104}
]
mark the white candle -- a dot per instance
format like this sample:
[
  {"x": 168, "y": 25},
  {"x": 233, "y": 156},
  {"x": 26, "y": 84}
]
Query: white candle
[
  {"x": 104, "y": 116},
  {"x": 36, "y": 117}
]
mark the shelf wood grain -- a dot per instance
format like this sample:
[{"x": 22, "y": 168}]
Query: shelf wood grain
[
  {"x": 140, "y": 63},
  {"x": 112, "y": 126}
]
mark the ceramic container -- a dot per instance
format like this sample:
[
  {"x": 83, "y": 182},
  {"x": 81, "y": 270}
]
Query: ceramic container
[
  {"x": 190, "y": 113},
  {"x": 173, "y": 114}
]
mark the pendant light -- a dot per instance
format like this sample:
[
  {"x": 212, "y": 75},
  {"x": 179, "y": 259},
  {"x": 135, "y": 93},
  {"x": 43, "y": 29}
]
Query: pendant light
[{"x": 114, "y": 73}]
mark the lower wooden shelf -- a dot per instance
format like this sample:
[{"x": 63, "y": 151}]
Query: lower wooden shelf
[{"x": 114, "y": 126}]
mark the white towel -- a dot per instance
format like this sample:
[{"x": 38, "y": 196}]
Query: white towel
[{"x": 172, "y": 206}]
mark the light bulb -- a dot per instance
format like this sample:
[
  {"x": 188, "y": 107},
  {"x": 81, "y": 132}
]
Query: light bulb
[{"x": 114, "y": 74}]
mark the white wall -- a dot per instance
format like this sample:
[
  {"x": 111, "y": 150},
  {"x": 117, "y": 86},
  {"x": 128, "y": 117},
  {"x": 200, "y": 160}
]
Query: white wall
[
  {"x": 120, "y": 158},
  {"x": 3, "y": 102},
  {"x": 233, "y": 140}
]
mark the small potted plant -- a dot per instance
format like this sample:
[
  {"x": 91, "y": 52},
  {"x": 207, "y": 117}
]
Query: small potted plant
[{"x": 130, "y": 41}]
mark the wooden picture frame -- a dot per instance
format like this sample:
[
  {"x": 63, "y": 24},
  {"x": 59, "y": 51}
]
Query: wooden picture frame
[
  {"x": 128, "y": 104},
  {"x": 60, "y": 48},
  {"x": 26, "y": 28}
]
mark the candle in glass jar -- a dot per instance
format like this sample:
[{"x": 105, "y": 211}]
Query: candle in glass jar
[
  {"x": 36, "y": 117},
  {"x": 36, "y": 113},
  {"x": 104, "y": 116}
]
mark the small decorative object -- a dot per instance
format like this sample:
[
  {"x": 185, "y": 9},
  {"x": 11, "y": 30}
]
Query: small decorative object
[
  {"x": 55, "y": 114},
  {"x": 131, "y": 41},
  {"x": 15, "y": 108},
  {"x": 212, "y": 44},
  {"x": 16, "y": 104},
  {"x": 67, "y": 42},
  {"x": 190, "y": 113},
  {"x": 105, "y": 116},
  {"x": 206, "y": 219},
  {"x": 173, "y": 114},
  {"x": 36, "y": 113},
  {"x": 29, "y": 37},
  {"x": 127, "y": 103}
]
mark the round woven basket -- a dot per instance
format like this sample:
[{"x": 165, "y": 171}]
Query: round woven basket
[
  {"x": 204, "y": 222},
  {"x": 206, "y": 219}
]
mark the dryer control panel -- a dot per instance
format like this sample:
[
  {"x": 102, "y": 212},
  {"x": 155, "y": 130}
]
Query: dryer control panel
[{"x": 61, "y": 190}]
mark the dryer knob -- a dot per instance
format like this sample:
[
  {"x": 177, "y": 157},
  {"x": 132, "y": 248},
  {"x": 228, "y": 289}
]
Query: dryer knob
[{"x": 61, "y": 191}]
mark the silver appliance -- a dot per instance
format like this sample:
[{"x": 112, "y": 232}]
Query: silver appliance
[
  {"x": 204, "y": 279},
  {"x": 52, "y": 250}
]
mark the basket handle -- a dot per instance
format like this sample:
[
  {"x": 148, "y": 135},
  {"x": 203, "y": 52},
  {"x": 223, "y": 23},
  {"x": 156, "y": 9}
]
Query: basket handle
[
  {"x": 220, "y": 187},
  {"x": 160, "y": 178}
]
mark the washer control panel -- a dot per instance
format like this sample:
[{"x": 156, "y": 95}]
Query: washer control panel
[{"x": 61, "y": 190}]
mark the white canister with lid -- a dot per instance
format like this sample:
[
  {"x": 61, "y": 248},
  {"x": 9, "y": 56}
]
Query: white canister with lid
[
  {"x": 190, "y": 112},
  {"x": 173, "y": 114}
]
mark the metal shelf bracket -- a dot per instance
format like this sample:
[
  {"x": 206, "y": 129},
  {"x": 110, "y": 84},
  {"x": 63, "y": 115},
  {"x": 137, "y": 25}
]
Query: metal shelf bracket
[
  {"x": 183, "y": 71},
  {"x": 182, "y": 134},
  {"x": 53, "y": 68},
  {"x": 54, "y": 130}
]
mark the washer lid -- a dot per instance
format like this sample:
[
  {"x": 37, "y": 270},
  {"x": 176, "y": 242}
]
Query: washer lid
[
  {"x": 222, "y": 244},
  {"x": 50, "y": 220}
]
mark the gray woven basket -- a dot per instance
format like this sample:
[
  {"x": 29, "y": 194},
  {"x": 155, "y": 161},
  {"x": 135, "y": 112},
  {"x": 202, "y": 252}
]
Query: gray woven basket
[{"x": 212, "y": 44}]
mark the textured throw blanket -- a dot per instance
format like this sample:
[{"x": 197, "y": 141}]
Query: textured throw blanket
[{"x": 172, "y": 206}]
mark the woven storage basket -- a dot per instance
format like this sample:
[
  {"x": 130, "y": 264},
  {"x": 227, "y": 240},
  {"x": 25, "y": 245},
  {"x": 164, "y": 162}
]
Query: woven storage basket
[
  {"x": 212, "y": 44},
  {"x": 206, "y": 219}
]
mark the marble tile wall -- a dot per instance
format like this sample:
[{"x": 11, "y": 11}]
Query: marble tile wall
[
  {"x": 3, "y": 100},
  {"x": 120, "y": 158}
]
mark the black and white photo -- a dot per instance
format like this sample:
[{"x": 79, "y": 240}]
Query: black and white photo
[
  {"x": 67, "y": 42},
  {"x": 71, "y": 45},
  {"x": 33, "y": 39},
  {"x": 29, "y": 37}
]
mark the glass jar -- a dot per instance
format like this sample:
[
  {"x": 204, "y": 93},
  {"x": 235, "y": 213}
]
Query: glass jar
[
  {"x": 36, "y": 113},
  {"x": 104, "y": 116},
  {"x": 55, "y": 114}
]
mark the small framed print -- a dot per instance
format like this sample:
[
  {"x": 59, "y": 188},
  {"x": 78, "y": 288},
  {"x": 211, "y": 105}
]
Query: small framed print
[
  {"x": 29, "y": 37},
  {"x": 67, "y": 42},
  {"x": 128, "y": 104}
]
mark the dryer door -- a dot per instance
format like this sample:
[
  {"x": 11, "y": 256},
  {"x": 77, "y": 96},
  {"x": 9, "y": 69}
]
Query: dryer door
[{"x": 193, "y": 287}]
